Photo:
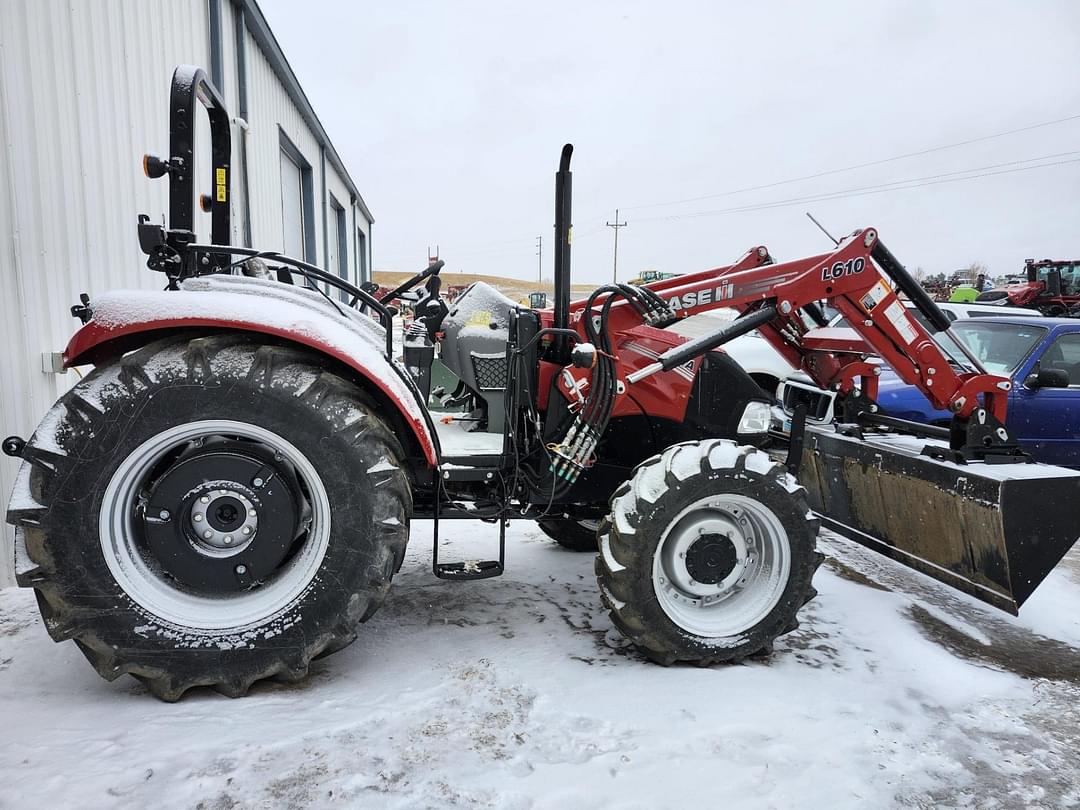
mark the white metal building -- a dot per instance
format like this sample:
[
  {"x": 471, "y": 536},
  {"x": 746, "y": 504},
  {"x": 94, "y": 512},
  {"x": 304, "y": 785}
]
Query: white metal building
[{"x": 84, "y": 91}]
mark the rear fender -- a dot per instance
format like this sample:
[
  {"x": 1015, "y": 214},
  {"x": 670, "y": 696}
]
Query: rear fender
[{"x": 125, "y": 319}]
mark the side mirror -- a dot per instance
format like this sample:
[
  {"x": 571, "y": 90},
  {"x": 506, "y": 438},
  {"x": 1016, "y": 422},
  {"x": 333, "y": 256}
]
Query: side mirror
[{"x": 1048, "y": 378}]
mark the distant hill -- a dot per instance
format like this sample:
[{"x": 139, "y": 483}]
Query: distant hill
[{"x": 514, "y": 288}]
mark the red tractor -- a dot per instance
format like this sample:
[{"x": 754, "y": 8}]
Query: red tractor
[
  {"x": 1052, "y": 287},
  {"x": 229, "y": 493}
]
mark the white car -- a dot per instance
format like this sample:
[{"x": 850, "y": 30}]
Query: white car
[
  {"x": 765, "y": 365},
  {"x": 798, "y": 388},
  {"x": 769, "y": 368}
]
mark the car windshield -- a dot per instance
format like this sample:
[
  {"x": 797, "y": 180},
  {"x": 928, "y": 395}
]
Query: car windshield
[
  {"x": 1016, "y": 339},
  {"x": 1000, "y": 347}
]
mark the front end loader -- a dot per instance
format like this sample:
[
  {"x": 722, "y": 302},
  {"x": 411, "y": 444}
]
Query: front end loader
[{"x": 228, "y": 494}]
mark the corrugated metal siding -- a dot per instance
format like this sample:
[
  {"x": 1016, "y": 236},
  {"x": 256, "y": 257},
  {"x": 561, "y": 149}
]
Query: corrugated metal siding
[
  {"x": 270, "y": 107},
  {"x": 335, "y": 186},
  {"x": 83, "y": 93}
]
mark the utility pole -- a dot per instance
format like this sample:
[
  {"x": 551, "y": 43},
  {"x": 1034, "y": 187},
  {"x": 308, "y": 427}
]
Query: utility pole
[
  {"x": 539, "y": 261},
  {"x": 615, "y": 226}
]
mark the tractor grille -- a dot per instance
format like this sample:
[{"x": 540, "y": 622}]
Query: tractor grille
[
  {"x": 490, "y": 370},
  {"x": 818, "y": 403}
]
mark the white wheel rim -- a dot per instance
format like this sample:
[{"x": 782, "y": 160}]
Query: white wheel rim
[
  {"x": 746, "y": 595},
  {"x": 143, "y": 581}
]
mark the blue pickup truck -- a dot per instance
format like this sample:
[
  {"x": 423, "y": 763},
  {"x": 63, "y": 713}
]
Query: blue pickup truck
[{"x": 1042, "y": 356}]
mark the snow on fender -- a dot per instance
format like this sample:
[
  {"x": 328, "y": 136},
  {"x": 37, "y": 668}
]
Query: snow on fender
[{"x": 236, "y": 302}]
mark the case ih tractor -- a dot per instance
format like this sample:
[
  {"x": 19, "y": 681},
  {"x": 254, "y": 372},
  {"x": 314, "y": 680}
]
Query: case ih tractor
[
  {"x": 1052, "y": 287},
  {"x": 229, "y": 493}
]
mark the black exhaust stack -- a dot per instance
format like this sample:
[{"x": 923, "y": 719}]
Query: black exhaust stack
[{"x": 563, "y": 225}]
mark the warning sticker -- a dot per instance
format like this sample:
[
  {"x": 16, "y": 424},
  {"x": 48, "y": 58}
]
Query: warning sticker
[
  {"x": 898, "y": 317},
  {"x": 875, "y": 296},
  {"x": 219, "y": 177}
]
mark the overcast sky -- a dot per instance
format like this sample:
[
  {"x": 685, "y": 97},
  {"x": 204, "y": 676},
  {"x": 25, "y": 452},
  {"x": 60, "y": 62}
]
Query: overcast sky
[{"x": 450, "y": 117}]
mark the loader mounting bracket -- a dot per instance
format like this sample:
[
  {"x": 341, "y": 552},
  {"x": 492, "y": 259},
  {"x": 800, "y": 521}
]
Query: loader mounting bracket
[{"x": 980, "y": 437}]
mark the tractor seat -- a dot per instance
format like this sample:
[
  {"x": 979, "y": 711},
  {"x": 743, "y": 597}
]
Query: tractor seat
[{"x": 475, "y": 335}]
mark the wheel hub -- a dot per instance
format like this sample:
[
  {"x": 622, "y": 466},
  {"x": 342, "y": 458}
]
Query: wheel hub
[
  {"x": 224, "y": 516},
  {"x": 711, "y": 559},
  {"x": 223, "y": 520},
  {"x": 721, "y": 565}
]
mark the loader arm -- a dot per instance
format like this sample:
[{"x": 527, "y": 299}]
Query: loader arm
[{"x": 861, "y": 279}]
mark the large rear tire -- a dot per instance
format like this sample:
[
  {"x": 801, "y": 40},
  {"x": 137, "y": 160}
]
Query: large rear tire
[
  {"x": 211, "y": 511},
  {"x": 708, "y": 554}
]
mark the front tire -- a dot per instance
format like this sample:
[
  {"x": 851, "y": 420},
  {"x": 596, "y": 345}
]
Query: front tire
[
  {"x": 212, "y": 512},
  {"x": 708, "y": 554}
]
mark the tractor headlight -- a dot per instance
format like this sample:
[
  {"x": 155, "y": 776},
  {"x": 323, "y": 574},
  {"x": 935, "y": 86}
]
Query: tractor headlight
[{"x": 755, "y": 418}]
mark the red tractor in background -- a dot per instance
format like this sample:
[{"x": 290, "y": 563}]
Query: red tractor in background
[
  {"x": 228, "y": 494},
  {"x": 1052, "y": 287}
]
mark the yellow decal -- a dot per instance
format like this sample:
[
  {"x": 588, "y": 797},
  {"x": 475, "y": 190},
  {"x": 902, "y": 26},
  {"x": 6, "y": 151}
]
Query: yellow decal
[
  {"x": 481, "y": 317},
  {"x": 219, "y": 177}
]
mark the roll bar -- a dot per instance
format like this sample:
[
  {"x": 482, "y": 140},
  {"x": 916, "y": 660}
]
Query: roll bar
[{"x": 191, "y": 87}]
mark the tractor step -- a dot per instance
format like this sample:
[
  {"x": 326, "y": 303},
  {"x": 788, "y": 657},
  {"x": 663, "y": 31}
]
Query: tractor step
[
  {"x": 467, "y": 569},
  {"x": 993, "y": 531}
]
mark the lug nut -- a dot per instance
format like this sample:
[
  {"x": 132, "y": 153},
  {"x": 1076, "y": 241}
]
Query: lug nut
[
  {"x": 164, "y": 514},
  {"x": 246, "y": 530},
  {"x": 251, "y": 512},
  {"x": 241, "y": 570},
  {"x": 228, "y": 539},
  {"x": 257, "y": 482},
  {"x": 196, "y": 517},
  {"x": 208, "y": 534},
  {"x": 204, "y": 499}
]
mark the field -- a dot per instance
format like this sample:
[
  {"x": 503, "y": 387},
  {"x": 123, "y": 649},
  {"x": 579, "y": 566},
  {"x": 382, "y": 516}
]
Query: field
[{"x": 514, "y": 288}]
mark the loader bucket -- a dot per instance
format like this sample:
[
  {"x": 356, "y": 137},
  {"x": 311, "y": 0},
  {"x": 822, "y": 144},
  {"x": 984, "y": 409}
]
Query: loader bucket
[{"x": 993, "y": 531}]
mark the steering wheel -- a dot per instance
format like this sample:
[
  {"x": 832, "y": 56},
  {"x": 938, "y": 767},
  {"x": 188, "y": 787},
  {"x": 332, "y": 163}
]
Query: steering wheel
[
  {"x": 428, "y": 306},
  {"x": 433, "y": 285}
]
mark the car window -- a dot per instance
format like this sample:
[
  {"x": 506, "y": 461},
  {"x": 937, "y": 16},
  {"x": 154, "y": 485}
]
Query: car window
[
  {"x": 1000, "y": 347},
  {"x": 1064, "y": 354}
]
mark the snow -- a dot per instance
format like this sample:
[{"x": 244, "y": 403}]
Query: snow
[
  {"x": 484, "y": 305},
  {"x": 21, "y": 496},
  {"x": 517, "y": 692},
  {"x": 456, "y": 439},
  {"x": 913, "y": 445}
]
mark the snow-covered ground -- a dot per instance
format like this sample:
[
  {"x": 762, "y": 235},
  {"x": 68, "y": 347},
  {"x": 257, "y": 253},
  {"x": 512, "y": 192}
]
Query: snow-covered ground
[{"x": 516, "y": 693}]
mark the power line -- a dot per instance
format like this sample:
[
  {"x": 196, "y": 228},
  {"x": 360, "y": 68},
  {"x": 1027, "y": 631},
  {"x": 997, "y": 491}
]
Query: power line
[
  {"x": 866, "y": 190},
  {"x": 855, "y": 166}
]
